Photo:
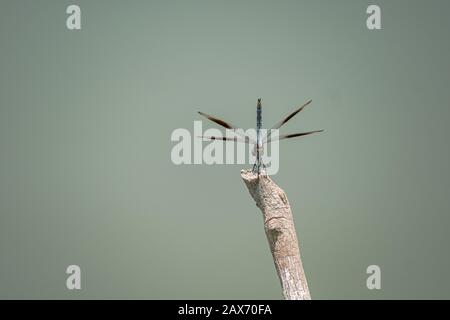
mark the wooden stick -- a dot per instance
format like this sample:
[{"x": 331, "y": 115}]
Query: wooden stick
[{"x": 280, "y": 232}]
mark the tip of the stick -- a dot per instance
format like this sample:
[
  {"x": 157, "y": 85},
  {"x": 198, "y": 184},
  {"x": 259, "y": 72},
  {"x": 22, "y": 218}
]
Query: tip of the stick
[{"x": 250, "y": 175}]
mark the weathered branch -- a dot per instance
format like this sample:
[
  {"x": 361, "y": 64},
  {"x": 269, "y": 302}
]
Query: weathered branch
[{"x": 280, "y": 232}]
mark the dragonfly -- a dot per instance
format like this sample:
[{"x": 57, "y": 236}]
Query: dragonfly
[{"x": 260, "y": 140}]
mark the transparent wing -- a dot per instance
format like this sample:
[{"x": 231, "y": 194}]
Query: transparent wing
[
  {"x": 286, "y": 119},
  {"x": 218, "y": 121},
  {"x": 226, "y": 125},
  {"x": 235, "y": 139},
  {"x": 293, "y": 135}
]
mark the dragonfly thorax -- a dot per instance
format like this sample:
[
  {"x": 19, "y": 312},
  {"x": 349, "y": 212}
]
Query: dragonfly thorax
[{"x": 257, "y": 148}]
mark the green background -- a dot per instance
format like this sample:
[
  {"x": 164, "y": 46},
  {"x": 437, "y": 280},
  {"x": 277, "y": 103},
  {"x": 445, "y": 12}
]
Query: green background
[{"x": 86, "y": 176}]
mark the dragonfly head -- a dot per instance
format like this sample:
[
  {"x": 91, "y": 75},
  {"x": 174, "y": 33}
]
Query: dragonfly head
[{"x": 259, "y": 103}]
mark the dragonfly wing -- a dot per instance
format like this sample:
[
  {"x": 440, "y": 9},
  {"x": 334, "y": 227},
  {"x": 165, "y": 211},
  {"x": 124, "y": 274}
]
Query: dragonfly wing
[
  {"x": 293, "y": 135},
  {"x": 286, "y": 119},
  {"x": 235, "y": 139},
  {"x": 226, "y": 125},
  {"x": 218, "y": 121}
]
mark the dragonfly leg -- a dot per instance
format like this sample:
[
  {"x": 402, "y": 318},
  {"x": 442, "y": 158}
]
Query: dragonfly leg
[
  {"x": 254, "y": 166},
  {"x": 257, "y": 167}
]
